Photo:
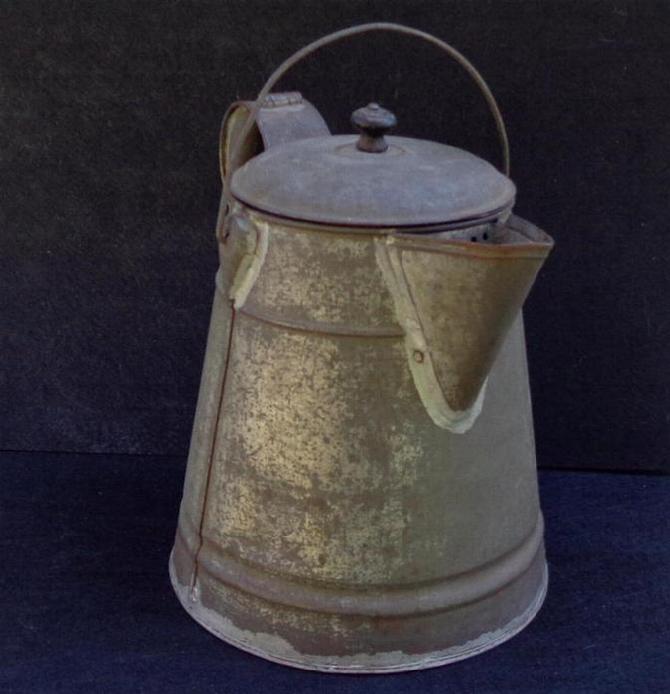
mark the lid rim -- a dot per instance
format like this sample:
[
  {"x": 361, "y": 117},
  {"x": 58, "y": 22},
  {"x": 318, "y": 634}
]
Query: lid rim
[
  {"x": 445, "y": 225},
  {"x": 324, "y": 180}
]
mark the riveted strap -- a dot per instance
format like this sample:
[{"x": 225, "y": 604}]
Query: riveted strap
[{"x": 284, "y": 117}]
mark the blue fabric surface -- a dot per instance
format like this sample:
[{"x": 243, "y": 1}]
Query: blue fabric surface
[{"x": 86, "y": 604}]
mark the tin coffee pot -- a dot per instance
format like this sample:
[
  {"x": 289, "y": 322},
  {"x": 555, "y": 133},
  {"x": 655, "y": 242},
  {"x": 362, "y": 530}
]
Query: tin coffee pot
[{"x": 361, "y": 491}]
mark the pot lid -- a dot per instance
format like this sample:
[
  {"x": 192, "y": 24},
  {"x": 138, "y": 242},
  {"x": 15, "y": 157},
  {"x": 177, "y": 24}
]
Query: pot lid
[{"x": 373, "y": 180}]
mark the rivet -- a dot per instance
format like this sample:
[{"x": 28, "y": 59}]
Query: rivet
[{"x": 418, "y": 356}]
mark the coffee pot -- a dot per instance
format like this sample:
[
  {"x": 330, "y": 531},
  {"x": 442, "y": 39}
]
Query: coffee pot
[{"x": 361, "y": 488}]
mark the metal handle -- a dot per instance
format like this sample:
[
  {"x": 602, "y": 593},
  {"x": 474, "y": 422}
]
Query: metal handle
[{"x": 361, "y": 29}]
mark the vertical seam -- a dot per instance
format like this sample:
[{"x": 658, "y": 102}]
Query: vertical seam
[{"x": 212, "y": 452}]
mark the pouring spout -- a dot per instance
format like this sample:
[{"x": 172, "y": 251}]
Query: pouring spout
[{"x": 456, "y": 295}]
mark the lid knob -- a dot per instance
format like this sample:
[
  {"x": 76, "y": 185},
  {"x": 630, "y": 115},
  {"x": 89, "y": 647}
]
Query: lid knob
[{"x": 374, "y": 122}]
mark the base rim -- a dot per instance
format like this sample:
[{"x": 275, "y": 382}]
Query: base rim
[{"x": 208, "y": 620}]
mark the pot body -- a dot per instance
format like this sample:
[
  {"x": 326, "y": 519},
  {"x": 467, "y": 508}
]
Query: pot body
[{"x": 327, "y": 522}]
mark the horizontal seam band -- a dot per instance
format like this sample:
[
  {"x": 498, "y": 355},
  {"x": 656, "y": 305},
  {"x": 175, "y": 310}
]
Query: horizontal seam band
[{"x": 454, "y": 591}]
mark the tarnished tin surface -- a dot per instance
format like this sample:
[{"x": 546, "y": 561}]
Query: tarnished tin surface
[
  {"x": 413, "y": 183},
  {"x": 355, "y": 500},
  {"x": 332, "y": 499},
  {"x": 456, "y": 300},
  {"x": 262, "y": 638}
]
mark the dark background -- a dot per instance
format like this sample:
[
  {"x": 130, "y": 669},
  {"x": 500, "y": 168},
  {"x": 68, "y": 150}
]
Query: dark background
[
  {"x": 108, "y": 147},
  {"x": 108, "y": 197}
]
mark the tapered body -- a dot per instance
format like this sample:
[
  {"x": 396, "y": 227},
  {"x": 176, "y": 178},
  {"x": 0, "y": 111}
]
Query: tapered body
[{"x": 327, "y": 521}]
